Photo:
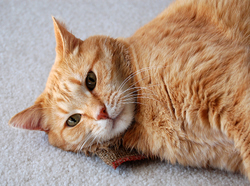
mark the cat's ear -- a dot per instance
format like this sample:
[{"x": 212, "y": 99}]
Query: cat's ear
[
  {"x": 66, "y": 42},
  {"x": 30, "y": 118}
]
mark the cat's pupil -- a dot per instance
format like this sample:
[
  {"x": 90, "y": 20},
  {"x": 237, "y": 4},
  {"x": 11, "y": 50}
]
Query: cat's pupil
[
  {"x": 73, "y": 120},
  {"x": 91, "y": 80}
]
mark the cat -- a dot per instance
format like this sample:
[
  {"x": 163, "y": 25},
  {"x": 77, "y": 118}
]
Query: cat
[{"x": 178, "y": 89}]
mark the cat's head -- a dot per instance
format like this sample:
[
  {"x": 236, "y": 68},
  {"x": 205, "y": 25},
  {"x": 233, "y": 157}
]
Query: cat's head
[{"x": 89, "y": 95}]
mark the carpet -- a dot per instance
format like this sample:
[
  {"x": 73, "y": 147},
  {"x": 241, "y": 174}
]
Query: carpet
[{"x": 27, "y": 52}]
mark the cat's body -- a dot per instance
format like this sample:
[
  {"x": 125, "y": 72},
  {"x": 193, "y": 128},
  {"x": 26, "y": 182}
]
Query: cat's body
[
  {"x": 200, "y": 79},
  {"x": 190, "y": 71}
]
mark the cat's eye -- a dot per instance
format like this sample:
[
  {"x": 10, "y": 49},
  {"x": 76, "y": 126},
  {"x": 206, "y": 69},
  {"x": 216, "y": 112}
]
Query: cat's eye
[
  {"x": 73, "y": 120},
  {"x": 91, "y": 80}
]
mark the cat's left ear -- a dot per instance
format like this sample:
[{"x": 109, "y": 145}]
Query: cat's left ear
[
  {"x": 66, "y": 42},
  {"x": 30, "y": 118}
]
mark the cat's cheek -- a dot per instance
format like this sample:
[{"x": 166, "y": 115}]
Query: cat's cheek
[
  {"x": 124, "y": 120},
  {"x": 54, "y": 139}
]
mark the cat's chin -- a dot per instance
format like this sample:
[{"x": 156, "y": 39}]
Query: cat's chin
[{"x": 117, "y": 125}]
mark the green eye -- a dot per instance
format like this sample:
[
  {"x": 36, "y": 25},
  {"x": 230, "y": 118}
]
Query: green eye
[
  {"x": 91, "y": 80},
  {"x": 73, "y": 120}
]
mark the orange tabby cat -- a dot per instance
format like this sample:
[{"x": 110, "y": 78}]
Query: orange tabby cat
[{"x": 179, "y": 88}]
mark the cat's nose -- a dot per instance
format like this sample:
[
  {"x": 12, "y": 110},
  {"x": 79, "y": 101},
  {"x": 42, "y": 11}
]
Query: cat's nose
[{"x": 103, "y": 114}]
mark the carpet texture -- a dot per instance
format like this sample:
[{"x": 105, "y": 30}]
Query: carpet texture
[{"x": 27, "y": 52}]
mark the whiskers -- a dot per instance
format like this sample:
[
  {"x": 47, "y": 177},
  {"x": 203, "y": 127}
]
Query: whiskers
[
  {"x": 90, "y": 139},
  {"x": 135, "y": 92},
  {"x": 132, "y": 94}
]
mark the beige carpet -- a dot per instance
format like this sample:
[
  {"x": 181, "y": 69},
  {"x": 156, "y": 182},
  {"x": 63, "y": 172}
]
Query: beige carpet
[{"x": 26, "y": 55}]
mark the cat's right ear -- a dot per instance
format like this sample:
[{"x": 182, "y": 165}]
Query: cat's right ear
[
  {"x": 59, "y": 29},
  {"x": 30, "y": 118},
  {"x": 66, "y": 42}
]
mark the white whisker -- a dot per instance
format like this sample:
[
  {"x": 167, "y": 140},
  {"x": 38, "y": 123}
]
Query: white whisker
[
  {"x": 131, "y": 76},
  {"x": 138, "y": 89},
  {"x": 134, "y": 102},
  {"x": 135, "y": 95},
  {"x": 136, "y": 73},
  {"x": 86, "y": 140}
]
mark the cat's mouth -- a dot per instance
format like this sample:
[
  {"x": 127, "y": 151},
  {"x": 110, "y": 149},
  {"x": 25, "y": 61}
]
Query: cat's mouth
[{"x": 115, "y": 120}]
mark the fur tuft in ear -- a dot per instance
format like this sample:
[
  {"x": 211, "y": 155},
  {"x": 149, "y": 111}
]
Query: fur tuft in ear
[
  {"x": 66, "y": 42},
  {"x": 30, "y": 118}
]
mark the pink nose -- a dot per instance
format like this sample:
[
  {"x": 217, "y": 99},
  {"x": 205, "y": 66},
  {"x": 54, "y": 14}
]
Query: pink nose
[{"x": 103, "y": 114}]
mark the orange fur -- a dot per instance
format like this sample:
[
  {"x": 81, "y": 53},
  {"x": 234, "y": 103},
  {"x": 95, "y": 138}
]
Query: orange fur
[{"x": 189, "y": 71}]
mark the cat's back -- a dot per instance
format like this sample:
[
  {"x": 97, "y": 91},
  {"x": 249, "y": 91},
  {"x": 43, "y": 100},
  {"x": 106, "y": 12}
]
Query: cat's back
[
  {"x": 194, "y": 65},
  {"x": 196, "y": 37},
  {"x": 231, "y": 18}
]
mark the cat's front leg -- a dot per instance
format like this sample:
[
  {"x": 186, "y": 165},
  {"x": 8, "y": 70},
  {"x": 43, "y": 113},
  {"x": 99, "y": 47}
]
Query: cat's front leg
[
  {"x": 240, "y": 132},
  {"x": 154, "y": 139},
  {"x": 135, "y": 138}
]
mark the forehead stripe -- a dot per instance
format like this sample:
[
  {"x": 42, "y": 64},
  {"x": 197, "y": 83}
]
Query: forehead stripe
[
  {"x": 65, "y": 86},
  {"x": 75, "y": 81},
  {"x": 62, "y": 110}
]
